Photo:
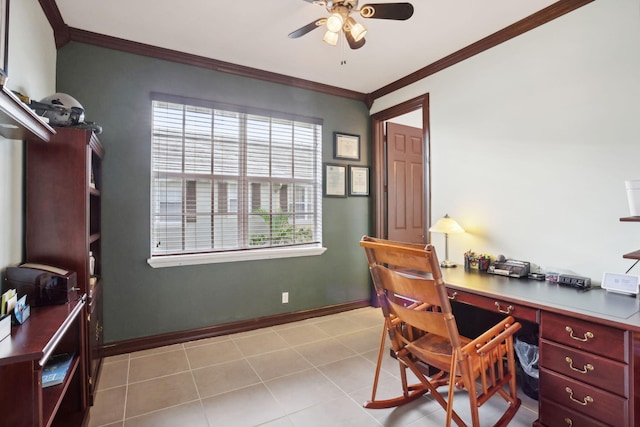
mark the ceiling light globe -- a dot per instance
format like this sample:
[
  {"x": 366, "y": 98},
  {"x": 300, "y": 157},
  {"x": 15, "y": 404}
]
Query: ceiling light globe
[
  {"x": 358, "y": 32},
  {"x": 331, "y": 38},
  {"x": 335, "y": 22}
]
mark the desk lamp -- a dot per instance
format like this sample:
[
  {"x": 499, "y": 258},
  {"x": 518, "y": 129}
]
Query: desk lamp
[{"x": 446, "y": 225}]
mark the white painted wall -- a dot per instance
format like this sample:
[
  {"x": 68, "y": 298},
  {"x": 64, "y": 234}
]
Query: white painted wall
[
  {"x": 531, "y": 142},
  {"x": 31, "y": 69}
]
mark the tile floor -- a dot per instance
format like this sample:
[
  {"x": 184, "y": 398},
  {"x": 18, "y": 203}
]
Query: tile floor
[{"x": 316, "y": 372}]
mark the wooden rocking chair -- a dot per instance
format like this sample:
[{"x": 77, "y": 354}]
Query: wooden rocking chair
[{"x": 422, "y": 328}]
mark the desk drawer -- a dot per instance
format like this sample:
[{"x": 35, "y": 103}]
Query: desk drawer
[
  {"x": 587, "y": 400},
  {"x": 495, "y": 305},
  {"x": 554, "y": 415},
  {"x": 587, "y": 336},
  {"x": 589, "y": 368}
]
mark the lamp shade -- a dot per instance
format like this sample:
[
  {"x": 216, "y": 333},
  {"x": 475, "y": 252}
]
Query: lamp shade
[
  {"x": 446, "y": 225},
  {"x": 335, "y": 22},
  {"x": 357, "y": 30},
  {"x": 331, "y": 38}
]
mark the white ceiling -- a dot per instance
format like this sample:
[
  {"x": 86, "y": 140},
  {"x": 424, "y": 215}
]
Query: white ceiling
[{"x": 253, "y": 33}]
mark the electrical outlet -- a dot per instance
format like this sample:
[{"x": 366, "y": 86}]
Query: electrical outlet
[{"x": 285, "y": 297}]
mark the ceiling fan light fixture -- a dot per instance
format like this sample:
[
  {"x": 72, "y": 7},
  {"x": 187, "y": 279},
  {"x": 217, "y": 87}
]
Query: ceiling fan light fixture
[
  {"x": 331, "y": 38},
  {"x": 335, "y": 22},
  {"x": 339, "y": 22},
  {"x": 358, "y": 31}
]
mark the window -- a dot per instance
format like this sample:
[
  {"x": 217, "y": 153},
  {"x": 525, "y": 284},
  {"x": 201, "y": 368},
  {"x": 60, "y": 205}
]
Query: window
[{"x": 233, "y": 180}]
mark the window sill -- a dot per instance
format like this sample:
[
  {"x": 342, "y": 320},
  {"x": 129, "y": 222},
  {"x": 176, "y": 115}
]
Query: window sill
[{"x": 213, "y": 258}]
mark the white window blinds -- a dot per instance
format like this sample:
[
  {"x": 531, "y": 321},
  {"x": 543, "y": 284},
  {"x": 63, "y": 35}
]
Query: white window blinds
[{"x": 230, "y": 179}]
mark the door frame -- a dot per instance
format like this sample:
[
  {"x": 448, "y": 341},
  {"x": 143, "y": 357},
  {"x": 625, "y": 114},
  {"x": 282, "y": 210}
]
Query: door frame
[{"x": 379, "y": 184}]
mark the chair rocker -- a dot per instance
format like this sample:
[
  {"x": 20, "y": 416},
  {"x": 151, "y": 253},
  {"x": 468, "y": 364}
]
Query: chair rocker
[{"x": 423, "y": 331}]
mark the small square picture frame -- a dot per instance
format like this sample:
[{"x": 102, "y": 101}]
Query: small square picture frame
[
  {"x": 346, "y": 146},
  {"x": 358, "y": 180},
  {"x": 335, "y": 180}
]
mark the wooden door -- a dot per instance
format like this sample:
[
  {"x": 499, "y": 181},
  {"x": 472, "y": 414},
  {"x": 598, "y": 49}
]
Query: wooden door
[{"x": 405, "y": 175}]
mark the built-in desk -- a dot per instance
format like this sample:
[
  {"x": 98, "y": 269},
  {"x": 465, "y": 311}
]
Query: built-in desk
[{"x": 589, "y": 366}]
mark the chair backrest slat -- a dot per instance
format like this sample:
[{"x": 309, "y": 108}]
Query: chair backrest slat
[
  {"x": 404, "y": 284},
  {"x": 401, "y": 256}
]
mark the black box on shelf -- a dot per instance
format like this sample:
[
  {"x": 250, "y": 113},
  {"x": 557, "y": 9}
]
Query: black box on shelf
[{"x": 42, "y": 284}]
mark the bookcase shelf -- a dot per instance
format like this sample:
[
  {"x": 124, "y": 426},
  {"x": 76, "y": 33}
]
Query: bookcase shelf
[
  {"x": 17, "y": 121},
  {"x": 632, "y": 255},
  {"x": 630, "y": 219},
  {"x": 53, "y": 396}
]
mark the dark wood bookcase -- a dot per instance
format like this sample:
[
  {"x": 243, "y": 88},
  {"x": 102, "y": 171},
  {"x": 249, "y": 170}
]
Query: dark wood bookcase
[
  {"x": 63, "y": 204},
  {"x": 51, "y": 330}
]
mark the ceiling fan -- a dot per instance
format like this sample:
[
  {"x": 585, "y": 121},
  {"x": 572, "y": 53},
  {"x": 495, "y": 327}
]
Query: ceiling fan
[{"x": 340, "y": 19}]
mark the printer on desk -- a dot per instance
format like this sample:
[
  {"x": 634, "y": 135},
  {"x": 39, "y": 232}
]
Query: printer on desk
[
  {"x": 510, "y": 268},
  {"x": 43, "y": 284}
]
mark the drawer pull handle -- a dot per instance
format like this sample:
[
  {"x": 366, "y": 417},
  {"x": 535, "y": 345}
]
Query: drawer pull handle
[
  {"x": 568, "y": 421},
  {"x": 587, "y": 335},
  {"x": 453, "y": 295},
  {"x": 583, "y": 402},
  {"x": 588, "y": 367},
  {"x": 507, "y": 311}
]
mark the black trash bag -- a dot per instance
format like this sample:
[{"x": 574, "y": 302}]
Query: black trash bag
[{"x": 528, "y": 353}]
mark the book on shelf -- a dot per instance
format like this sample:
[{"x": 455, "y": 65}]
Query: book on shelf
[
  {"x": 5, "y": 326},
  {"x": 8, "y": 303},
  {"x": 56, "y": 369}
]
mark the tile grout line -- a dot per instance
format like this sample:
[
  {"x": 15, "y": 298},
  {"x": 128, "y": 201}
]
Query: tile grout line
[
  {"x": 126, "y": 391},
  {"x": 262, "y": 381},
  {"x": 195, "y": 384}
]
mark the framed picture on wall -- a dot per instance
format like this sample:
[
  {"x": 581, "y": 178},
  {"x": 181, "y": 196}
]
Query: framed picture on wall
[
  {"x": 346, "y": 146},
  {"x": 4, "y": 39},
  {"x": 335, "y": 180},
  {"x": 358, "y": 181}
]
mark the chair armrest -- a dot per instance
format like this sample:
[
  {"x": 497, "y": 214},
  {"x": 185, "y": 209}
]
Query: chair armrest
[{"x": 493, "y": 337}]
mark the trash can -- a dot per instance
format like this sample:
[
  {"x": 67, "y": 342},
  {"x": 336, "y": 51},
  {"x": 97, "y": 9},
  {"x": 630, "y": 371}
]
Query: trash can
[{"x": 528, "y": 352}]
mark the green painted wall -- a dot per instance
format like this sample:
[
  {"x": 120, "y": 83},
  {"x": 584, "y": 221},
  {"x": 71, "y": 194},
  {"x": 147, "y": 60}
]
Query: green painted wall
[{"x": 114, "y": 88}]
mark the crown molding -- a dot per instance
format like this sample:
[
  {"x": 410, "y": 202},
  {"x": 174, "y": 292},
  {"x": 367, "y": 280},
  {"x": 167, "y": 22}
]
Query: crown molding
[
  {"x": 539, "y": 18},
  {"x": 109, "y": 42},
  {"x": 63, "y": 34},
  {"x": 60, "y": 29}
]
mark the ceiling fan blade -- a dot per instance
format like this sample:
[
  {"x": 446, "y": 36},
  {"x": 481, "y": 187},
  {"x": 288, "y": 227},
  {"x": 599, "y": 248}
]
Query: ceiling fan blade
[
  {"x": 397, "y": 11},
  {"x": 353, "y": 44},
  {"x": 307, "y": 28}
]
